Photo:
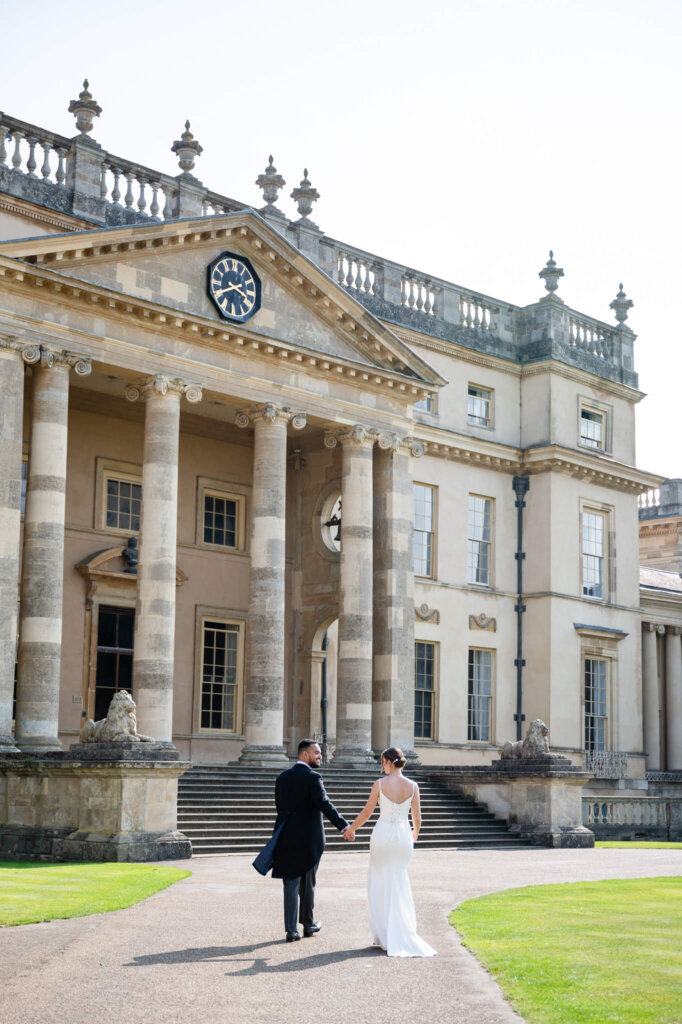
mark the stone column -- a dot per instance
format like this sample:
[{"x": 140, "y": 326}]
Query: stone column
[
  {"x": 393, "y": 682},
  {"x": 354, "y": 677},
  {"x": 652, "y": 729},
  {"x": 153, "y": 656},
  {"x": 11, "y": 427},
  {"x": 673, "y": 698},
  {"x": 40, "y": 628},
  {"x": 264, "y": 687}
]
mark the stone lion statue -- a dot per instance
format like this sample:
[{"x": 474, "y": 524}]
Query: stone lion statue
[
  {"x": 534, "y": 744},
  {"x": 120, "y": 725}
]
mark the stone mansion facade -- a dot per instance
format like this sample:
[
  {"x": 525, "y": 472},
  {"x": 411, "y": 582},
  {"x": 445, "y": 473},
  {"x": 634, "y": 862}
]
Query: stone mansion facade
[{"x": 276, "y": 486}]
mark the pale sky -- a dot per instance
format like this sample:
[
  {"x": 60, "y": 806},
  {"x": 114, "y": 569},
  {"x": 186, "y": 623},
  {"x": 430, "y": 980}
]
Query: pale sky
[{"x": 464, "y": 139}]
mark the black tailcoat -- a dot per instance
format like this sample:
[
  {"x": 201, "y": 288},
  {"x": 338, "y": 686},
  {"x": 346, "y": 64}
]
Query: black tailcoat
[{"x": 301, "y": 799}]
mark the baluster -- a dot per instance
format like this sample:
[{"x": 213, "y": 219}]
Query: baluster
[
  {"x": 3, "y": 150},
  {"x": 45, "y": 170},
  {"x": 478, "y": 318},
  {"x": 378, "y": 279},
  {"x": 116, "y": 192},
  {"x": 61, "y": 173},
  {"x": 129, "y": 197},
  {"x": 168, "y": 205},
  {"x": 31, "y": 162},
  {"x": 350, "y": 276},
  {"x": 485, "y": 318},
  {"x": 142, "y": 199},
  {"x": 368, "y": 279},
  {"x": 154, "y": 208},
  {"x": 403, "y": 289},
  {"x": 360, "y": 276},
  {"x": 419, "y": 295},
  {"x": 470, "y": 319},
  {"x": 428, "y": 303},
  {"x": 16, "y": 157},
  {"x": 103, "y": 182},
  {"x": 435, "y": 301},
  {"x": 340, "y": 270}
]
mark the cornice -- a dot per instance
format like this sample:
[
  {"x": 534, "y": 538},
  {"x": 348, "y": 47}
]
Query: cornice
[
  {"x": 450, "y": 348},
  {"x": 583, "y": 377},
  {"x": 41, "y": 214},
  {"x": 615, "y": 475}
]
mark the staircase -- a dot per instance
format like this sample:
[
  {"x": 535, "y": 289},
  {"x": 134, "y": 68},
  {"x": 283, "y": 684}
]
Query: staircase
[{"x": 231, "y": 809}]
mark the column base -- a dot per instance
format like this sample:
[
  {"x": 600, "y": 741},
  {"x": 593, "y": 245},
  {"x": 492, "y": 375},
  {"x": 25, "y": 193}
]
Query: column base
[
  {"x": 353, "y": 757},
  {"x": 264, "y": 756},
  {"x": 558, "y": 836},
  {"x": 37, "y": 744}
]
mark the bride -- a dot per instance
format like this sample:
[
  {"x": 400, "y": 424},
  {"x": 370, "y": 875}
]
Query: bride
[{"x": 391, "y": 908}]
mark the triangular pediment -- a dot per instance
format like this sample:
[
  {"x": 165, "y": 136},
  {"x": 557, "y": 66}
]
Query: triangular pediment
[{"x": 166, "y": 265}]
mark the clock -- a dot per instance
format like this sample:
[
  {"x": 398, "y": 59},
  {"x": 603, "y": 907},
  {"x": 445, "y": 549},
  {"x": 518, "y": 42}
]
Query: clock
[{"x": 233, "y": 287}]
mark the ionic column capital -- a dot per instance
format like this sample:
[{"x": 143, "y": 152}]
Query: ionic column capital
[
  {"x": 270, "y": 412},
  {"x": 394, "y": 442},
  {"x": 650, "y": 627},
  {"x": 356, "y": 436},
  {"x": 673, "y": 630},
  {"x": 161, "y": 385},
  {"x": 46, "y": 356}
]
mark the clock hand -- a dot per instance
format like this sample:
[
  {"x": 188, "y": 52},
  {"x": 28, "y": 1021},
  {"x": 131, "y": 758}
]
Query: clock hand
[{"x": 230, "y": 288}]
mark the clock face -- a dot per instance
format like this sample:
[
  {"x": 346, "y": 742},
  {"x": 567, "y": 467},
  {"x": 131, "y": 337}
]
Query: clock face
[{"x": 234, "y": 287}]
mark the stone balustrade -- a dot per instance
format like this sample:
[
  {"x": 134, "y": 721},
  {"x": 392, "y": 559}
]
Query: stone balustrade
[
  {"x": 606, "y": 764},
  {"x": 78, "y": 177},
  {"x": 646, "y": 812}
]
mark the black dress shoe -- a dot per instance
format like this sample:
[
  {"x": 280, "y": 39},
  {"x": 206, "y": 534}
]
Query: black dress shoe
[
  {"x": 311, "y": 929},
  {"x": 293, "y": 937}
]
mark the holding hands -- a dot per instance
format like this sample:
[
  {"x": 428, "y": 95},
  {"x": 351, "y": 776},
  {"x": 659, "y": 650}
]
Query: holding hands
[{"x": 348, "y": 834}]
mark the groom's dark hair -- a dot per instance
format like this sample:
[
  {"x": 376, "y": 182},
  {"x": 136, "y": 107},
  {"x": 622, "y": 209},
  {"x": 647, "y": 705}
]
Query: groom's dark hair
[{"x": 304, "y": 744}]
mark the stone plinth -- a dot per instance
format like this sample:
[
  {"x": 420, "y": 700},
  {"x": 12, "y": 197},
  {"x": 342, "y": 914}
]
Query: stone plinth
[
  {"x": 541, "y": 798},
  {"x": 71, "y": 807}
]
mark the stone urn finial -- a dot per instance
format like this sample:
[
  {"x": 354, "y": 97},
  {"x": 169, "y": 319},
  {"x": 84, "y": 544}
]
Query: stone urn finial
[
  {"x": 551, "y": 274},
  {"x": 85, "y": 110},
  {"x": 620, "y": 305},
  {"x": 187, "y": 149},
  {"x": 270, "y": 182},
  {"x": 305, "y": 195}
]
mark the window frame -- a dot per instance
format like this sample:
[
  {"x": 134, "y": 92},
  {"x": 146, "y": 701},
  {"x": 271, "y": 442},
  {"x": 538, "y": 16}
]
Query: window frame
[
  {"x": 433, "y": 738},
  {"x": 491, "y": 543},
  {"x": 606, "y": 513},
  {"x": 590, "y": 405},
  {"x": 433, "y": 533},
  {"x": 490, "y": 740},
  {"x": 226, "y": 617},
  {"x": 431, "y": 408},
  {"x": 112, "y": 469},
  {"x": 226, "y": 491},
  {"x": 591, "y": 656},
  {"x": 490, "y": 424}
]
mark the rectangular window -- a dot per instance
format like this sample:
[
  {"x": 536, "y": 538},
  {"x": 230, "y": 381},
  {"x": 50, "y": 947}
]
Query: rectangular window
[
  {"x": 115, "y": 635},
  {"x": 123, "y": 503},
  {"x": 479, "y": 406},
  {"x": 424, "y": 690},
  {"x": 593, "y": 554},
  {"x": 425, "y": 404},
  {"x": 220, "y": 520},
  {"x": 595, "y": 704},
  {"x": 479, "y": 550},
  {"x": 220, "y": 674},
  {"x": 423, "y": 529},
  {"x": 592, "y": 433},
  {"x": 480, "y": 695}
]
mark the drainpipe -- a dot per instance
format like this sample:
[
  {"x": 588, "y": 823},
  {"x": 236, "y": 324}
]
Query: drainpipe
[
  {"x": 520, "y": 485},
  {"x": 324, "y": 703}
]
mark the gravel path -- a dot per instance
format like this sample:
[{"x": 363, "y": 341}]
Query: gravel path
[{"x": 210, "y": 948}]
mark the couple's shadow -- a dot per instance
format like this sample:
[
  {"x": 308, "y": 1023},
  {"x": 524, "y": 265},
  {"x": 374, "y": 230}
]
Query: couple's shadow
[{"x": 257, "y": 964}]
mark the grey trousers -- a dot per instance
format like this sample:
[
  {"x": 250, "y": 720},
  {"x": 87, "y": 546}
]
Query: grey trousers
[{"x": 299, "y": 900}]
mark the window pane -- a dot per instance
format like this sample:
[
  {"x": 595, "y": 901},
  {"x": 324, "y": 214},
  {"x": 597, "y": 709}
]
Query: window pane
[
  {"x": 593, "y": 554},
  {"x": 478, "y": 406},
  {"x": 479, "y": 545},
  {"x": 424, "y": 689},
  {"x": 219, "y": 675},
  {"x": 595, "y": 704},
  {"x": 423, "y": 530},
  {"x": 479, "y": 695},
  {"x": 220, "y": 521},
  {"x": 123, "y": 504},
  {"x": 591, "y": 428}
]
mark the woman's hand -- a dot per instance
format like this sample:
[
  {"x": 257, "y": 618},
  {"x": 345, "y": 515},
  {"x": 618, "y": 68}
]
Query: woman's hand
[{"x": 415, "y": 835}]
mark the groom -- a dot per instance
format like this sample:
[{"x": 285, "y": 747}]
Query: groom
[{"x": 301, "y": 801}]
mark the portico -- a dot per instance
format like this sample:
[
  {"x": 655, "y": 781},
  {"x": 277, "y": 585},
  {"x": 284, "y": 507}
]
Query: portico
[{"x": 212, "y": 410}]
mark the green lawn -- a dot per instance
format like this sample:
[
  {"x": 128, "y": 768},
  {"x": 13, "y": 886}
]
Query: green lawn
[
  {"x": 32, "y": 891},
  {"x": 637, "y": 844},
  {"x": 583, "y": 953}
]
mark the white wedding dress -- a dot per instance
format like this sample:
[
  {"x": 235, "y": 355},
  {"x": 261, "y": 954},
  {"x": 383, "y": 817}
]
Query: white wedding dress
[{"x": 393, "y": 922}]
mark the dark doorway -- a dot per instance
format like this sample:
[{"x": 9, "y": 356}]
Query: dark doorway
[{"x": 115, "y": 632}]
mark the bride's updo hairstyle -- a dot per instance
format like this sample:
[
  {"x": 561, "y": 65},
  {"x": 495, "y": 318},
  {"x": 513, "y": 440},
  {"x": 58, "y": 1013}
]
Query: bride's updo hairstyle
[{"x": 395, "y": 756}]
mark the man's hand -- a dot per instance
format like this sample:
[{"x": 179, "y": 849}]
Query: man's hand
[{"x": 348, "y": 834}]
